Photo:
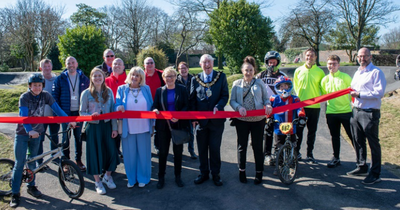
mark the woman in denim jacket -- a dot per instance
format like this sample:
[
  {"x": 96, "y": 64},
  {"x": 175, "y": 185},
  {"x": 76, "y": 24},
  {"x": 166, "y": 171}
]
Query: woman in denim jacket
[
  {"x": 136, "y": 133},
  {"x": 101, "y": 152},
  {"x": 247, "y": 94}
]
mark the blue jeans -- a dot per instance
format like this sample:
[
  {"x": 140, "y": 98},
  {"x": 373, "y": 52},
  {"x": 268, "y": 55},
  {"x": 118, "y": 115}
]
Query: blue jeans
[
  {"x": 21, "y": 144},
  {"x": 54, "y": 128},
  {"x": 77, "y": 135}
]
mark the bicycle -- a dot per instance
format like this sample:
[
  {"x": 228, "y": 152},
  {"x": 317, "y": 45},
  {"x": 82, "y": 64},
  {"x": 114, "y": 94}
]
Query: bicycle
[
  {"x": 69, "y": 174},
  {"x": 286, "y": 158}
]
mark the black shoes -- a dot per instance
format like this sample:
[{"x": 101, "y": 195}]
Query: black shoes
[
  {"x": 178, "y": 181},
  {"x": 201, "y": 178},
  {"x": 193, "y": 155},
  {"x": 359, "y": 171},
  {"x": 311, "y": 159},
  {"x": 15, "y": 200},
  {"x": 160, "y": 183},
  {"x": 217, "y": 180},
  {"x": 242, "y": 177},
  {"x": 32, "y": 190},
  {"x": 299, "y": 156},
  {"x": 371, "y": 179},
  {"x": 258, "y": 178},
  {"x": 333, "y": 163}
]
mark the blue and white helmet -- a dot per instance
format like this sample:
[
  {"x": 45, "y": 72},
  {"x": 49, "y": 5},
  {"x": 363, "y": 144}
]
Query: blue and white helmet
[{"x": 281, "y": 80}]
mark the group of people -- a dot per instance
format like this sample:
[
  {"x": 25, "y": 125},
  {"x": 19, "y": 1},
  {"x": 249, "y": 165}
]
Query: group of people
[
  {"x": 272, "y": 88},
  {"x": 109, "y": 89}
]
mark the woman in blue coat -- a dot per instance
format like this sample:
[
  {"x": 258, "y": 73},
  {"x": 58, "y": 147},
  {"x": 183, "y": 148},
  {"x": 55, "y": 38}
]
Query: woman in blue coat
[{"x": 136, "y": 133}]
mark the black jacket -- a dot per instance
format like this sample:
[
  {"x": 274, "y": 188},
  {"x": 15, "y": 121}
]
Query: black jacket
[{"x": 181, "y": 104}]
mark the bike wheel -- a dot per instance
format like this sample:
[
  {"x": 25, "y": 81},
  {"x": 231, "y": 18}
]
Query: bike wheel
[
  {"x": 71, "y": 179},
  {"x": 287, "y": 164},
  {"x": 6, "y": 170}
]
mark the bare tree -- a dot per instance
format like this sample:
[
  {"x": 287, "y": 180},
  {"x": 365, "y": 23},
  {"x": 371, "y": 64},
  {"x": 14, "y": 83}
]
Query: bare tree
[
  {"x": 138, "y": 23},
  {"x": 167, "y": 27},
  {"x": 49, "y": 26},
  {"x": 360, "y": 13},
  {"x": 35, "y": 26},
  {"x": 391, "y": 40},
  {"x": 310, "y": 20},
  {"x": 191, "y": 31},
  {"x": 113, "y": 28}
]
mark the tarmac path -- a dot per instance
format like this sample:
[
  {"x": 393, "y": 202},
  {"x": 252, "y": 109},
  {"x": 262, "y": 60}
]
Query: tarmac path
[{"x": 316, "y": 186}]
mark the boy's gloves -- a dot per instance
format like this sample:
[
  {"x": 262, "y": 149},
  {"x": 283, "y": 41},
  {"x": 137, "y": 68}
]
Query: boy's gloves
[{"x": 302, "y": 121}]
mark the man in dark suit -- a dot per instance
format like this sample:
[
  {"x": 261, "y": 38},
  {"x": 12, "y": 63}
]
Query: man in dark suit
[
  {"x": 209, "y": 92},
  {"x": 106, "y": 66}
]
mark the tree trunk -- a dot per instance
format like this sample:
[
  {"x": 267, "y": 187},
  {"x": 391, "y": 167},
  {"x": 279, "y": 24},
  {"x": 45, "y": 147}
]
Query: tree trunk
[{"x": 220, "y": 66}]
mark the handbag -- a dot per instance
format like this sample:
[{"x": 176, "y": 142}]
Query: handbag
[
  {"x": 179, "y": 136},
  {"x": 83, "y": 136},
  {"x": 233, "y": 120}
]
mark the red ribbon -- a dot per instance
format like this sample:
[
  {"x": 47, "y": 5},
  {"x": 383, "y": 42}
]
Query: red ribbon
[{"x": 193, "y": 115}]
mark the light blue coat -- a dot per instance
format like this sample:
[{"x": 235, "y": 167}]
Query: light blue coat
[{"x": 122, "y": 99}]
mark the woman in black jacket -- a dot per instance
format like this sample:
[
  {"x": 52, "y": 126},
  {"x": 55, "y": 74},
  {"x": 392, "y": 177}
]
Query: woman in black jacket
[{"x": 175, "y": 98}]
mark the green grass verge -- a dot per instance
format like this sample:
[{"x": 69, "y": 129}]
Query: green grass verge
[
  {"x": 6, "y": 151},
  {"x": 9, "y": 98}
]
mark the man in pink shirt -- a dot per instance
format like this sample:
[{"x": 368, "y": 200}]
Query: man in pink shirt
[{"x": 369, "y": 85}]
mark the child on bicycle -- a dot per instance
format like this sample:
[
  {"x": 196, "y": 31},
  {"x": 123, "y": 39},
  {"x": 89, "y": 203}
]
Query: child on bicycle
[
  {"x": 283, "y": 88},
  {"x": 31, "y": 104}
]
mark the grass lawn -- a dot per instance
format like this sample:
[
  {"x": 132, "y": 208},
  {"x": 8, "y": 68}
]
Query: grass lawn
[
  {"x": 9, "y": 98},
  {"x": 6, "y": 145}
]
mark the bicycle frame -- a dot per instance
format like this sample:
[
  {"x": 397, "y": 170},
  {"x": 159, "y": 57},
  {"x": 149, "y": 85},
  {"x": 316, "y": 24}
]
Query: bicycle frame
[{"x": 56, "y": 153}]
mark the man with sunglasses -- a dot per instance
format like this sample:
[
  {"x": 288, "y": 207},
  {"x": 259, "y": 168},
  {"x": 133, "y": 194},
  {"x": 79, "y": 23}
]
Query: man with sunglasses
[{"x": 108, "y": 57}]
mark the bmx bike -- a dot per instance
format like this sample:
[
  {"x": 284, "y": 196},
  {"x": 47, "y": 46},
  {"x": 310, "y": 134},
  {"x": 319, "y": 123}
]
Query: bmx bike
[
  {"x": 69, "y": 174},
  {"x": 286, "y": 158}
]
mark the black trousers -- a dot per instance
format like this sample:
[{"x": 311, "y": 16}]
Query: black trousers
[
  {"x": 312, "y": 123},
  {"x": 164, "y": 138},
  {"x": 365, "y": 125},
  {"x": 269, "y": 140},
  {"x": 334, "y": 122},
  {"x": 256, "y": 129},
  {"x": 209, "y": 140}
]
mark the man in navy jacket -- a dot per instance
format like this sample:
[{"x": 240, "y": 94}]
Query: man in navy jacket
[
  {"x": 67, "y": 89},
  {"x": 209, "y": 92}
]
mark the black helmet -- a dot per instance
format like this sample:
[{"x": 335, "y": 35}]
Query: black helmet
[
  {"x": 36, "y": 78},
  {"x": 270, "y": 55}
]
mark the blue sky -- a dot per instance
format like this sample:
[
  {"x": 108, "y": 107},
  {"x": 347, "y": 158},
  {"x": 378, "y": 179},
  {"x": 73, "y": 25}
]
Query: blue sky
[{"x": 278, "y": 9}]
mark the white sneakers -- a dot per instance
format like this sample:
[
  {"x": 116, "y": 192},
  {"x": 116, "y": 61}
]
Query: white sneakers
[
  {"x": 108, "y": 180},
  {"x": 130, "y": 186},
  {"x": 100, "y": 188},
  {"x": 142, "y": 184}
]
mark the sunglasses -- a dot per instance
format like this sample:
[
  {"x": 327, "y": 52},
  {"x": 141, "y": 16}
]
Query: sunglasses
[
  {"x": 149, "y": 63},
  {"x": 109, "y": 56}
]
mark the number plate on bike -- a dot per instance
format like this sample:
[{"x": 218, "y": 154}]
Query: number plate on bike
[{"x": 286, "y": 128}]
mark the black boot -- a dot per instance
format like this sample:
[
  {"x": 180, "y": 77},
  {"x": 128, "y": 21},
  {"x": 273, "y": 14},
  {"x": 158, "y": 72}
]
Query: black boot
[
  {"x": 258, "y": 178},
  {"x": 178, "y": 181},
  {"x": 15, "y": 199},
  {"x": 242, "y": 177},
  {"x": 161, "y": 182}
]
